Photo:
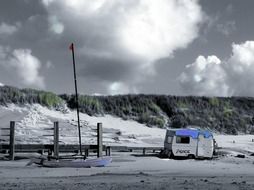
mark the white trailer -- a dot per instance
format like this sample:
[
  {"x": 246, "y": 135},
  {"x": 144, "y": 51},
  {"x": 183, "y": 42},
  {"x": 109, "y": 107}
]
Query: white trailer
[{"x": 192, "y": 143}]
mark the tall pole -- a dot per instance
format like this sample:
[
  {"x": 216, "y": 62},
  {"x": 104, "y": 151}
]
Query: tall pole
[{"x": 76, "y": 93}]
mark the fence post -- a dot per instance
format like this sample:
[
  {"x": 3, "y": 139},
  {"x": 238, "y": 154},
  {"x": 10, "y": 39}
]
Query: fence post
[
  {"x": 144, "y": 151},
  {"x": 12, "y": 140},
  {"x": 56, "y": 139},
  {"x": 99, "y": 140},
  {"x": 86, "y": 152},
  {"x": 1, "y": 146},
  {"x": 108, "y": 151}
]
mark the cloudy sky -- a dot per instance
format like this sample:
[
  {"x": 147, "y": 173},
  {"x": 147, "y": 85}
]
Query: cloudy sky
[{"x": 178, "y": 47}]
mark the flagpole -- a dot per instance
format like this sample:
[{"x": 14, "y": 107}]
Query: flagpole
[{"x": 76, "y": 94}]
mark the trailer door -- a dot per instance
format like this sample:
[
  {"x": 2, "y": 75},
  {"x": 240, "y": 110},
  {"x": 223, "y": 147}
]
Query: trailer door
[
  {"x": 205, "y": 147},
  {"x": 201, "y": 146}
]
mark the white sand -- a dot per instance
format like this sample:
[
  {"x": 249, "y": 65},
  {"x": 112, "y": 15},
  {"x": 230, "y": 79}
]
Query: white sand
[
  {"x": 129, "y": 172},
  {"x": 33, "y": 119},
  {"x": 126, "y": 171}
]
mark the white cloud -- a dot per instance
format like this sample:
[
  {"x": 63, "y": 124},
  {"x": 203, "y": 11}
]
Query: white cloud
[
  {"x": 138, "y": 32},
  {"x": 120, "y": 88},
  {"x": 47, "y": 2},
  {"x": 240, "y": 68},
  {"x": 205, "y": 76},
  {"x": 1, "y": 84},
  {"x": 154, "y": 29},
  {"x": 232, "y": 77},
  {"x": 6, "y": 29},
  {"x": 55, "y": 25},
  {"x": 24, "y": 64}
]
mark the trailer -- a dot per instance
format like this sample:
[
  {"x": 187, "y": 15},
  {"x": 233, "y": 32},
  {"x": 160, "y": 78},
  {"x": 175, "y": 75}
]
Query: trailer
[{"x": 189, "y": 142}]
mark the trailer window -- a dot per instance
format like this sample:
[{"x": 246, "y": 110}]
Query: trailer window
[{"x": 183, "y": 140}]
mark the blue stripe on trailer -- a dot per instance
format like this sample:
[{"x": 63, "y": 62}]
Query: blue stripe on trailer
[
  {"x": 193, "y": 133},
  {"x": 206, "y": 134}
]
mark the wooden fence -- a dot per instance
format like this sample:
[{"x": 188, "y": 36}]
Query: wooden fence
[
  {"x": 12, "y": 147},
  {"x": 57, "y": 148}
]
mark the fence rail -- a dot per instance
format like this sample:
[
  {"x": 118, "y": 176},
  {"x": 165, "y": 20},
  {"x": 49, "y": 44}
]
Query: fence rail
[
  {"x": 73, "y": 148},
  {"x": 69, "y": 148}
]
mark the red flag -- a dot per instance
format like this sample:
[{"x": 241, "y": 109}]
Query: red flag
[{"x": 71, "y": 47}]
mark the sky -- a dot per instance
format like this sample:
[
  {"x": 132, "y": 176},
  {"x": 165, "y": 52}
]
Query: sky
[{"x": 172, "y": 47}]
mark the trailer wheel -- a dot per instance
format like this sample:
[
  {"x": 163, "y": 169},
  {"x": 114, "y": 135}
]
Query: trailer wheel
[
  {"x": 170, "y": 154},
  {"x": 163, "y": 154},
  {"x": 191, "y": 156}
]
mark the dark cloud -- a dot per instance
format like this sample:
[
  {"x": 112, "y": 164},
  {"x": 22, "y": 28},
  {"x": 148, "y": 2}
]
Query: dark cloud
[
  {"x": 107, "y": 69},
  {"x": 13, "y": 11}
]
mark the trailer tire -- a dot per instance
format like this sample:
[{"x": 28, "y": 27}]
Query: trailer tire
[
  {"x": 170, "y": 154},
  {"x": 191, "y": 156},
  {"x": 163, "y": 154}
]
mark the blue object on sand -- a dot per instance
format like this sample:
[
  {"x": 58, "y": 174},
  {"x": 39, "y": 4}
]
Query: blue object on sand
[{"x": 78, "y": 163}]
